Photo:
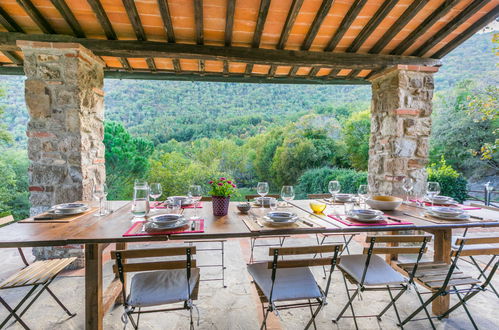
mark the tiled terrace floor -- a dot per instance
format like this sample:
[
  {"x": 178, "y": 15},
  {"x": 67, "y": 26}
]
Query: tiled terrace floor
[{"x": 237, "y": 306}]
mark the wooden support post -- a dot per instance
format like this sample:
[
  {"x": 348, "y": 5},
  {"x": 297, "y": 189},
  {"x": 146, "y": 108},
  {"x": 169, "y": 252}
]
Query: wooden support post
[
  {"x": 93, "y": 287},
  {"x": 441, "y": 253}
]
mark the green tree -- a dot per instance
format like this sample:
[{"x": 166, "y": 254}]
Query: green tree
[
  {"x": 14, "y": 195},
  {"x": 356, "y": 132},
  {"x": 5, "y": 137}
]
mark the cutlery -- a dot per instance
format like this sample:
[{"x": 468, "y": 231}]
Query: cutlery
[
  {"x": 256, "y": 220},
  {"x": 307, "y": 223},
  {"x": 475, "y": 217},
  {"x": 393, "y": 219},
  {"x": 193, "y": 225},
  {"x": 415, "y": 216},
  {"x": 45, "y": 218}
]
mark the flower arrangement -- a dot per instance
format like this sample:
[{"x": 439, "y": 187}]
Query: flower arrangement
[{"x": 222, "y": 187}]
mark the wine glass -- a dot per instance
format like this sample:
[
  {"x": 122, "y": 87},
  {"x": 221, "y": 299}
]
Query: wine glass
[
  {"x": 273, "y": 204},
  {"x": 262, "y": 189},
  {"x": 432, "y": 190},
  {"x": 363, "y": 193},
  {"x": 155, "y": 192},
  {"x": 195, "y": 193},
  {"x": 408, "y": 186},
  {"x": 334, "y": 187},
  {"x": 99, "y": 191},
  {"x": 287, "y": 193}
]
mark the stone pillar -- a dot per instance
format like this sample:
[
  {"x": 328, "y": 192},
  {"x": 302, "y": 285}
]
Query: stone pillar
[
  {"x": 400, "y": 127},
  {"x": 64, "y": 97}
]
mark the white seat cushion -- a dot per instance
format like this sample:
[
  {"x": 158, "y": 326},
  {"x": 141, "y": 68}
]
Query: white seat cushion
[
  {"x": 161, "y": 287},
  {"x": 378, "y": 272},
  {"x": 290, "y": 283}
]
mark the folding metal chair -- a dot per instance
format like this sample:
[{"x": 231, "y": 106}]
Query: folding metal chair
[
  {"x": 370, "y": 272},
  {"x": 443, "y": 279},
  {"x": 280, "y": 282},
  {"x": 39, "y": 274},
  {"x": 158, "y": 282}
]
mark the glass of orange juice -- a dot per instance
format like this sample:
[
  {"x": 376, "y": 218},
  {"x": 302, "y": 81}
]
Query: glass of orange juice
[{"x": 318, "y": 207}]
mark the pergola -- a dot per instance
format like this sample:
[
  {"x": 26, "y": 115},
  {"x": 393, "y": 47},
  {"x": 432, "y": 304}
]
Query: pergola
[{"x": 67, "y": 47}]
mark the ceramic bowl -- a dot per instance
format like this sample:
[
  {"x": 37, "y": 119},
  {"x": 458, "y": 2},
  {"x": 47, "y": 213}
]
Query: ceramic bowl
[
  {"x": 365, "y": 214},
  {"x": 244, "y": 207},
  {"x": 384, "y": 203}
]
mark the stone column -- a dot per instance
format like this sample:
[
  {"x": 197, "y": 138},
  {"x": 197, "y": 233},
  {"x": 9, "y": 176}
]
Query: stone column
[
  {"x": 64, "y": 97},
  {"x": 400, "y": 127}
]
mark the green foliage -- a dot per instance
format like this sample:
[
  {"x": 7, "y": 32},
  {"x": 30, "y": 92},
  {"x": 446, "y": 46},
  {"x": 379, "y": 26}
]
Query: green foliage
[
  {"x": 315, "y": 181},
  {"x": 14, "y": 195},
  {"x": 451, "y": 182},
  {"x": 5, "y": 137},
  {"x": 126, "y": 160},
  {"x": 222, "y": 187},
  {"x": 356, "y": 132}
]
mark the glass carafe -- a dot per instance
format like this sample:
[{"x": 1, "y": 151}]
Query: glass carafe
[{"x": 140, "y": 203}]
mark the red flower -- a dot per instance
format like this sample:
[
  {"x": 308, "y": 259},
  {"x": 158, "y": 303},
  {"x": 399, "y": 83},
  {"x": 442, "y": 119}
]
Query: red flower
[
  {"x": 229, "y": 182},
  {"x": 234, "y": 186},
  {"x": 220, "y": 184},
  {"x": 211, "y": 182},
  {"x": 222, "y": 179}
]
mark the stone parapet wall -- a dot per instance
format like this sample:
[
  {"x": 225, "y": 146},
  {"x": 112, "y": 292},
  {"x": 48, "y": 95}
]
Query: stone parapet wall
[
  {"x": 400, "y": 127},
  {"x": 64, "y": 97}
]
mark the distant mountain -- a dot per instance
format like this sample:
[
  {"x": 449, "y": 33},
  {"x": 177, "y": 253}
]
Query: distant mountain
[{"x": 164, "y": 110}]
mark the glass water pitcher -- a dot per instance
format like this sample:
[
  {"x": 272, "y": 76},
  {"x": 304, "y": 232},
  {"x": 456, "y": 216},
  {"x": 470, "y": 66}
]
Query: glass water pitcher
[{"x": 140, "y": 203}]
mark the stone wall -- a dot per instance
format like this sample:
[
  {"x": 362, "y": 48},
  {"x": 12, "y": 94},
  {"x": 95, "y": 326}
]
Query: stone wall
[
  {"x": 64, "y": 97},
  {"x": 400, "y": 128}
]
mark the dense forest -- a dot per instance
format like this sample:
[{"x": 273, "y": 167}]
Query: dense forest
[{"x": 178, "y": 133}]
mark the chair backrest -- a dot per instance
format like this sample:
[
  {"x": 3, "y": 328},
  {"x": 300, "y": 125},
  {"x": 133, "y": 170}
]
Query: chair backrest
[
  {"x": 488, "y": 207},
  {"x": 251, "y": 197},
  {"x": 5, "y": 220},
  {"x": 318, "y": 196},
  {"x": 206, "y": 199},
  {"x": 276, "y": 252},
  {"x": 419, "y": 249},
  {"x": 470, "y": 250}
]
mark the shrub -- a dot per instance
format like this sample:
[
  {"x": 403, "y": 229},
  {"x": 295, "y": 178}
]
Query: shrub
[
  {"x": 451, "y": 182},
  {"x": 315, "y": 181}
]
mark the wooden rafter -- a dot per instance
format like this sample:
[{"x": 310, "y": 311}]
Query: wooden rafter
[
  {"x": 14, "y": 58},
  {"x": 69, "y": 17},
  {"x": 333, "y": 74},
  {"x": 260, "y": 23},
  {"x": 104, "y": 22},
  {"x": 176, "y": 65},
  {"x": 198, "y": 18},
  {"x": 272, "y": 71},
  {"x": 229, "y": 21},
  {"x": 292, "y": 72},
  {"x": 201, "y": 67},
  {"x": 352, "y": 74},
  {"x": 425, "y": 26},
  {"x": 462, "y": 17},
  {"x": 316, "y": 24},
  {"x": 373, "y": 23},
  {"x": 133, "y": 16},
  {"x": 313, "y": 72},
  {"x": 288, "y": 25},
  {"x": 36, "y": 16},
  {"x": 474, "y": 28},
  {"x": 351, "y": 15},
  {"x": 164, "y": 10},
  {"x": 143, "y": 49},
  {"x": 226, "y": 69},
  {"x": 248, "y": 70},
  {"x": 8, "y": 22},
  {"x": 396, "y": 27}
]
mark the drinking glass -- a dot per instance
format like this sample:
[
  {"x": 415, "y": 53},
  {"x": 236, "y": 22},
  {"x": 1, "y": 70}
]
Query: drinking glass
[
  {"x": 140, "y": 203},
  {"x": 99, "y": 191},
  {"x": 432, "y": 190},
  {"x": 262, "y": 189},
  {"x": 287, "y": 193},
  {"x": 363, "y": 193},
  {"x": 334, "y": 187},
  {"x": 408, "y": 186},
  {"x": 155, "y": 192},
  {"x": 273, "y": 204},
  {"x": 195, "y": 193}
]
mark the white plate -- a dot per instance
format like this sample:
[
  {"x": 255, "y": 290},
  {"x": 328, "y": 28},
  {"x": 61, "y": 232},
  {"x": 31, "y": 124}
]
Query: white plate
[
  {"x": 281, "y": 216},
  {"x": 448, "y": 201},
  {"x": 68, "y": 211},
  {"x": 463, "y": 216},
  {"x": 150, "y": 226},
  {"x": 165, "y": 218},
  {"x": 445, "y": 211},
  {"x": 365, "y": 214},
  {"x": 280, "y": 223},
  {"x": 356, "y": 218},
  {"x": 185, "y": 200}
]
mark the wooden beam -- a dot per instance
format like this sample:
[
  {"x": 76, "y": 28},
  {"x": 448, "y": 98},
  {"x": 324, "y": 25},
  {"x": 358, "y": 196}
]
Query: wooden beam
[
  {"x": 425, "y": 26},
  {"x": 248, "y": 70},
  {"x": 396, "y": 27},
  {"x": 352, "y": 74},
  {"x": 164, "y": 10},
  {"x": 333, "y": 74},
  {"x": 229, "y": 21},
  {"x": 288, "y": 25},
  {"x": 463, "y": 16},
  {"x": 8, "y": 22},
  {"x": 474, "y": 28},
  {"x": 316, "y": 24},
  {"x": 68, "y": 16},
  {"x": 292, "y": 72},
  {"x": 104, "y": 22},
  {"x": 144, "y": 49},
  {"x": 260, "y": 23},
  {"x": 201, "y": 67},
  {"x": 36, "y": 16},
  {"x": 14, "y": 58},
  {"x": 198, "y": 17},
  {"x": 351, "y": 15},
  {"x": 176, "y": 65},
  {"x": 272, "y": 70},
  {"x": 313, "y": 71},
  {"x": 373, "y": 23},
  {"x": 226, "y": 69}
]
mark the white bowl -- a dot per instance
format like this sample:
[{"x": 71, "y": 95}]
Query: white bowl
[
  {"x": 384, "y": 203},
  {"x": 446, "y": 211},
  {"x": 365, "y": 214},
  {"x": 343, "y": 197},
  {"x": 281, "y": 216}
]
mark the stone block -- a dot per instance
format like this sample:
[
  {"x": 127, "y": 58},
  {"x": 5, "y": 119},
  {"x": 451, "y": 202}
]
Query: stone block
[
  {"x": 416, "y": 163},
  {"x": 422, "y": 149},
  {"x": 48, "y": 72},
  {"x": 37, "y": 99},
  {"x": 405, "y": 147}
]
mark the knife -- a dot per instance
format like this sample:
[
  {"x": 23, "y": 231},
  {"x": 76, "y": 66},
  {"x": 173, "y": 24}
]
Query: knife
[{"x": 307, "y": 223}]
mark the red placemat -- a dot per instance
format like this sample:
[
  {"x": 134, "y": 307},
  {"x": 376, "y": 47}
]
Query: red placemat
[
  {"x": 160, "y": 205},
  {"x": 387, "y": 222},
  {"x": 461, "y": 206},
  {"x": 135, "y": 229}
]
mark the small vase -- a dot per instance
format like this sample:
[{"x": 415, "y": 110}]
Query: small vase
[{"x": 220, "y": 205}]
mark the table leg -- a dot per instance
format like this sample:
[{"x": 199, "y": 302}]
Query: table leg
[
  {"x": 121, "y": 246},
  {"x": 441, "y": 253},
  {"x": 93, "y": 287}
]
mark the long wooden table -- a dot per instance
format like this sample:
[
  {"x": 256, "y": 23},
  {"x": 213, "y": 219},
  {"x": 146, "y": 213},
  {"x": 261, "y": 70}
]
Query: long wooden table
[{"x": 98, "y": 232}]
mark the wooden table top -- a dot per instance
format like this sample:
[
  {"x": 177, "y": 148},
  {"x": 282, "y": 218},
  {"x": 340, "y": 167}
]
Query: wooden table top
[{"x": 110, "y": 228}]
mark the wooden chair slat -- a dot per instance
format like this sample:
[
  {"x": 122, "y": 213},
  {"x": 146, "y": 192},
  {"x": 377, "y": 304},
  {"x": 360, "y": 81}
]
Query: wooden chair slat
[
  {"x": 394, "y": 250},
  {"x": 301, "y": 263},
  {"x": 426, "y": 264},
  {"x": 398, "y": 238},
  {"x": 250, "y": 197},
  {"x": 294, "y": 250},
  {"x": 318, "y": 196},
  {"x": 150, "y": 253},
  {"x": 477, "y": 240},
  {"x": 206, "y": 199},
  {"x": 158, "y": 265},
  {"x": 456, "y": 282},
  {"x": 477, "y": 252},
  {"x": 441, "y": 277},
  {"x": 52, "y": 270},
  {"x": 26, "y": 273},
  {"x": 487, "y": 207},
  {"x": 37, "y": 273},
  {"x": 6, "y": 220}
]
